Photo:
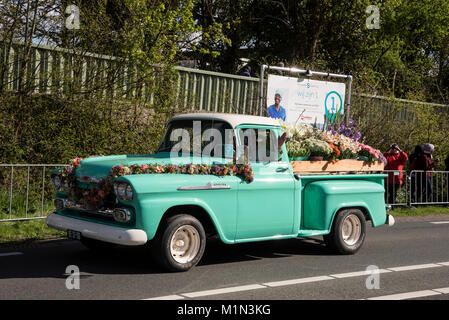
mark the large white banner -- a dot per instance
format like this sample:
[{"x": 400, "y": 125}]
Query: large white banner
[{"x": 297, "y": 100}]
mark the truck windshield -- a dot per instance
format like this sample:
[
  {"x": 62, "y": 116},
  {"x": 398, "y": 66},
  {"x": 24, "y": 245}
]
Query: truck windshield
[{"x": 199, "y": 137}]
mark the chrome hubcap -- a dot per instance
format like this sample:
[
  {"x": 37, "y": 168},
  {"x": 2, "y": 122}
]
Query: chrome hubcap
[
  {"x": 185, "y": 244},
  {"x": 352, "y": 229}
]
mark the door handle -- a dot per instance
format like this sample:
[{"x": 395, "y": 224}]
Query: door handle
[{"x": 282, "y": 168}]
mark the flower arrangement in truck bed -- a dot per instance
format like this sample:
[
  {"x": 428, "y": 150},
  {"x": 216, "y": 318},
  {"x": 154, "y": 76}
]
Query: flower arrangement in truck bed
[{"x": 334, "y": 142}]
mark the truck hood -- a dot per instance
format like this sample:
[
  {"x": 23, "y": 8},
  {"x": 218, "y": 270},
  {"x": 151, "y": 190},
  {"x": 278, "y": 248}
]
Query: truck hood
[{"x": 99, "y": 167}]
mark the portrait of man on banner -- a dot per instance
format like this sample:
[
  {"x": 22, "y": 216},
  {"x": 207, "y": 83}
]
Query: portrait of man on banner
[{"x": 276, "y": 111}]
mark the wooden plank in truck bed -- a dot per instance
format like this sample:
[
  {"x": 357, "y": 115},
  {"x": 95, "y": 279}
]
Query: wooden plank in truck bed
[{"x": 336, "y": 166}]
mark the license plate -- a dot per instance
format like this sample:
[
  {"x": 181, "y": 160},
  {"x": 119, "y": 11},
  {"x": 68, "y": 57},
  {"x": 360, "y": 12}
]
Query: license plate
[{"x": 72, "y": 234}]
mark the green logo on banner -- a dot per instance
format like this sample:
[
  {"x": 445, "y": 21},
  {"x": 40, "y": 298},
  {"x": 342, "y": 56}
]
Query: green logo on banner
[{"x": 333, "y": 104}]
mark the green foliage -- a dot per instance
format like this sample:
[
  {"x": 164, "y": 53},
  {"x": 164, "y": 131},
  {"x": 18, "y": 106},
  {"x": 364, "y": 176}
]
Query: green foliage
[
  {"x": 48, "y": 129},
  {"x": 296, "y": 149},
  {"x": 404, "y": 123}
]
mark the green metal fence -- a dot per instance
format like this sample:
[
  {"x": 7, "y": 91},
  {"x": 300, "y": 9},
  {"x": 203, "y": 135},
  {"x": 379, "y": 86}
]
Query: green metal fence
[{"x": 45, "y": 69}]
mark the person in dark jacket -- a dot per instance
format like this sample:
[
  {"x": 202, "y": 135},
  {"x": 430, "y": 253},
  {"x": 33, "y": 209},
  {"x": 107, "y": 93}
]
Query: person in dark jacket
[
  {"x": 424, "y": 165},
  {"x": 396, "y": 159},
  {"x": 413, "y": 182}
]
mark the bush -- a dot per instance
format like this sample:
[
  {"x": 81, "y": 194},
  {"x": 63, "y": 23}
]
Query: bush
[{"x": 49, "y": 129}]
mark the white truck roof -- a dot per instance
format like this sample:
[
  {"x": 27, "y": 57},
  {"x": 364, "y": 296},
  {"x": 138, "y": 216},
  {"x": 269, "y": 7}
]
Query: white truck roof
[{"x": 233, "y": 119}]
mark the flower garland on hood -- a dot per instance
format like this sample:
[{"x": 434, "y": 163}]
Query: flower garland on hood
[{"x": 103, "y": 193}]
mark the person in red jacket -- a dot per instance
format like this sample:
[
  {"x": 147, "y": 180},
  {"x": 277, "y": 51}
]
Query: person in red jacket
[{"x": 396, "y": 159}]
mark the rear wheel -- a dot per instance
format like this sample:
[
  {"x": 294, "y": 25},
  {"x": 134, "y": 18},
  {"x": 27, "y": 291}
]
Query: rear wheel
[
  {"x": 348, "y": 232},
  {"x": 180, "y": 243}
]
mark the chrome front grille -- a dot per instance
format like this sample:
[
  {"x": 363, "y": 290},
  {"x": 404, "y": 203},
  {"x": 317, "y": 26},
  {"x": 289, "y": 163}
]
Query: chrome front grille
[{"x": 82, "y": 211}]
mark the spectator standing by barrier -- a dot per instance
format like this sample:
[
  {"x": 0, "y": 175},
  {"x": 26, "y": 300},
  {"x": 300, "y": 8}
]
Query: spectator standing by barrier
[
  {"x": 424, "y": 179},
  {"x": 396, "y": 159},
  {"x": 413, "y": 181}
]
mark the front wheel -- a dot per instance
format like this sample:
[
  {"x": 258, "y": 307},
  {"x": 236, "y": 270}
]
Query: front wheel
[
  {"x": 348, "y": 232},
  {"x": 180, "y": 244}
]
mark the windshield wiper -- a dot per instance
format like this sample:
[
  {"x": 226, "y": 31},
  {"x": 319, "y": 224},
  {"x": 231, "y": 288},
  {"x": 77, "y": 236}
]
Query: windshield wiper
[{"x": 164, "y": 149}]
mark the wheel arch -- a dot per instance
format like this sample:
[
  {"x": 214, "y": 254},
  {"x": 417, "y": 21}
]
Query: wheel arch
[
  {"x": 366, "y": 213},
  {"x": 195, "y": 211}
]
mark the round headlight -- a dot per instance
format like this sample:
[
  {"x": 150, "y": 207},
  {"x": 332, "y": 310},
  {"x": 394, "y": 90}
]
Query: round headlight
[
  {"x": 121, "y": 215},
  {"x": 129, "y": 193},
  {"x": 121, "y": 190}
]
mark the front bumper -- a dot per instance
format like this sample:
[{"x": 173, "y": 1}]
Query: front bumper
[{"x": 117, "y": 235}]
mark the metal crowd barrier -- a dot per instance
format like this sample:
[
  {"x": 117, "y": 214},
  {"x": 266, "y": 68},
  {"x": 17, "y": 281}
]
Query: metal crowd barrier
[
  {"x": 418, "y": 188},
  {"x": 396, "y": 194},
  {"x": 431, "y": 187},
  {"x": 25, "y": 191}
]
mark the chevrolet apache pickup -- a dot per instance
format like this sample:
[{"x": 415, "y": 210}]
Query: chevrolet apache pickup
[{"x": 173, "y": 200}]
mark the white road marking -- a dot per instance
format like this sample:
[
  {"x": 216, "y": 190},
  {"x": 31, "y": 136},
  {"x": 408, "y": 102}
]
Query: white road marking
[
  {"x": 297, "y": 281},
  {"x": 440, "y": 222},
  {"x": 442, "y": 290},
  {"x": 10, "y": 254},
  {"x": 172, "y": 297},
  {"x": 415, "y": 267},
  {"x": 222, "y": 291},
  {"x": 407, "y": 295},
  {"x": 359, "y": 273}
]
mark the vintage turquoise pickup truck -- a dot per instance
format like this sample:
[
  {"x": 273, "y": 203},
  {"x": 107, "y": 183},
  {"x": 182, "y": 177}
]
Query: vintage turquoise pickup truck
[{"x": 173, "y": 201}]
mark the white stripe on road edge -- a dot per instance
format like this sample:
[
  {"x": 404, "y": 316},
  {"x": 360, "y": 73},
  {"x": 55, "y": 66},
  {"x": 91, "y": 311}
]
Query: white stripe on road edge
[
  {"x": 440, "y": 222},
  {"x": 359, "y": 273},
  {"x": 297, "y": 281},
  {"x": 407, "y": 295},
  {"x": 442, "y": 290},
  {"x": 221, "y": 291},
  {"x": 172, "y": 297},
  {"x": 415, "y": 267},
  {"x": 316, "y": 279},
  {"x": 10, "y": 254}
]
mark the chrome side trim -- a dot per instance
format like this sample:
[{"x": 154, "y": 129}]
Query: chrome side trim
[{"x": 208, "y": 186}]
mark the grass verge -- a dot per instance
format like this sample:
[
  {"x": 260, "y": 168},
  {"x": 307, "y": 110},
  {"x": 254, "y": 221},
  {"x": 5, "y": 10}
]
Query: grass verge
[
  {"x": 419, "y": 211},
  {"x": 19, "y": 231}
]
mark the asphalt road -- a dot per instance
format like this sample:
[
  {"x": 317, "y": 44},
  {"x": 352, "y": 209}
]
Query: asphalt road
[{"x": 411, "y": 260}]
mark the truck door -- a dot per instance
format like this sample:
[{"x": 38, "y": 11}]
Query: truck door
[{"x": 265, "y": 207}]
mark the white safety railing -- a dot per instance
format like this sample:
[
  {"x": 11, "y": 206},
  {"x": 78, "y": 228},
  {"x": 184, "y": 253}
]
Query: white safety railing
[
  {"x": 25, "y": 191},
  {"x": 429, "y": 187},
  {"x": 396, "y": 188}
]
